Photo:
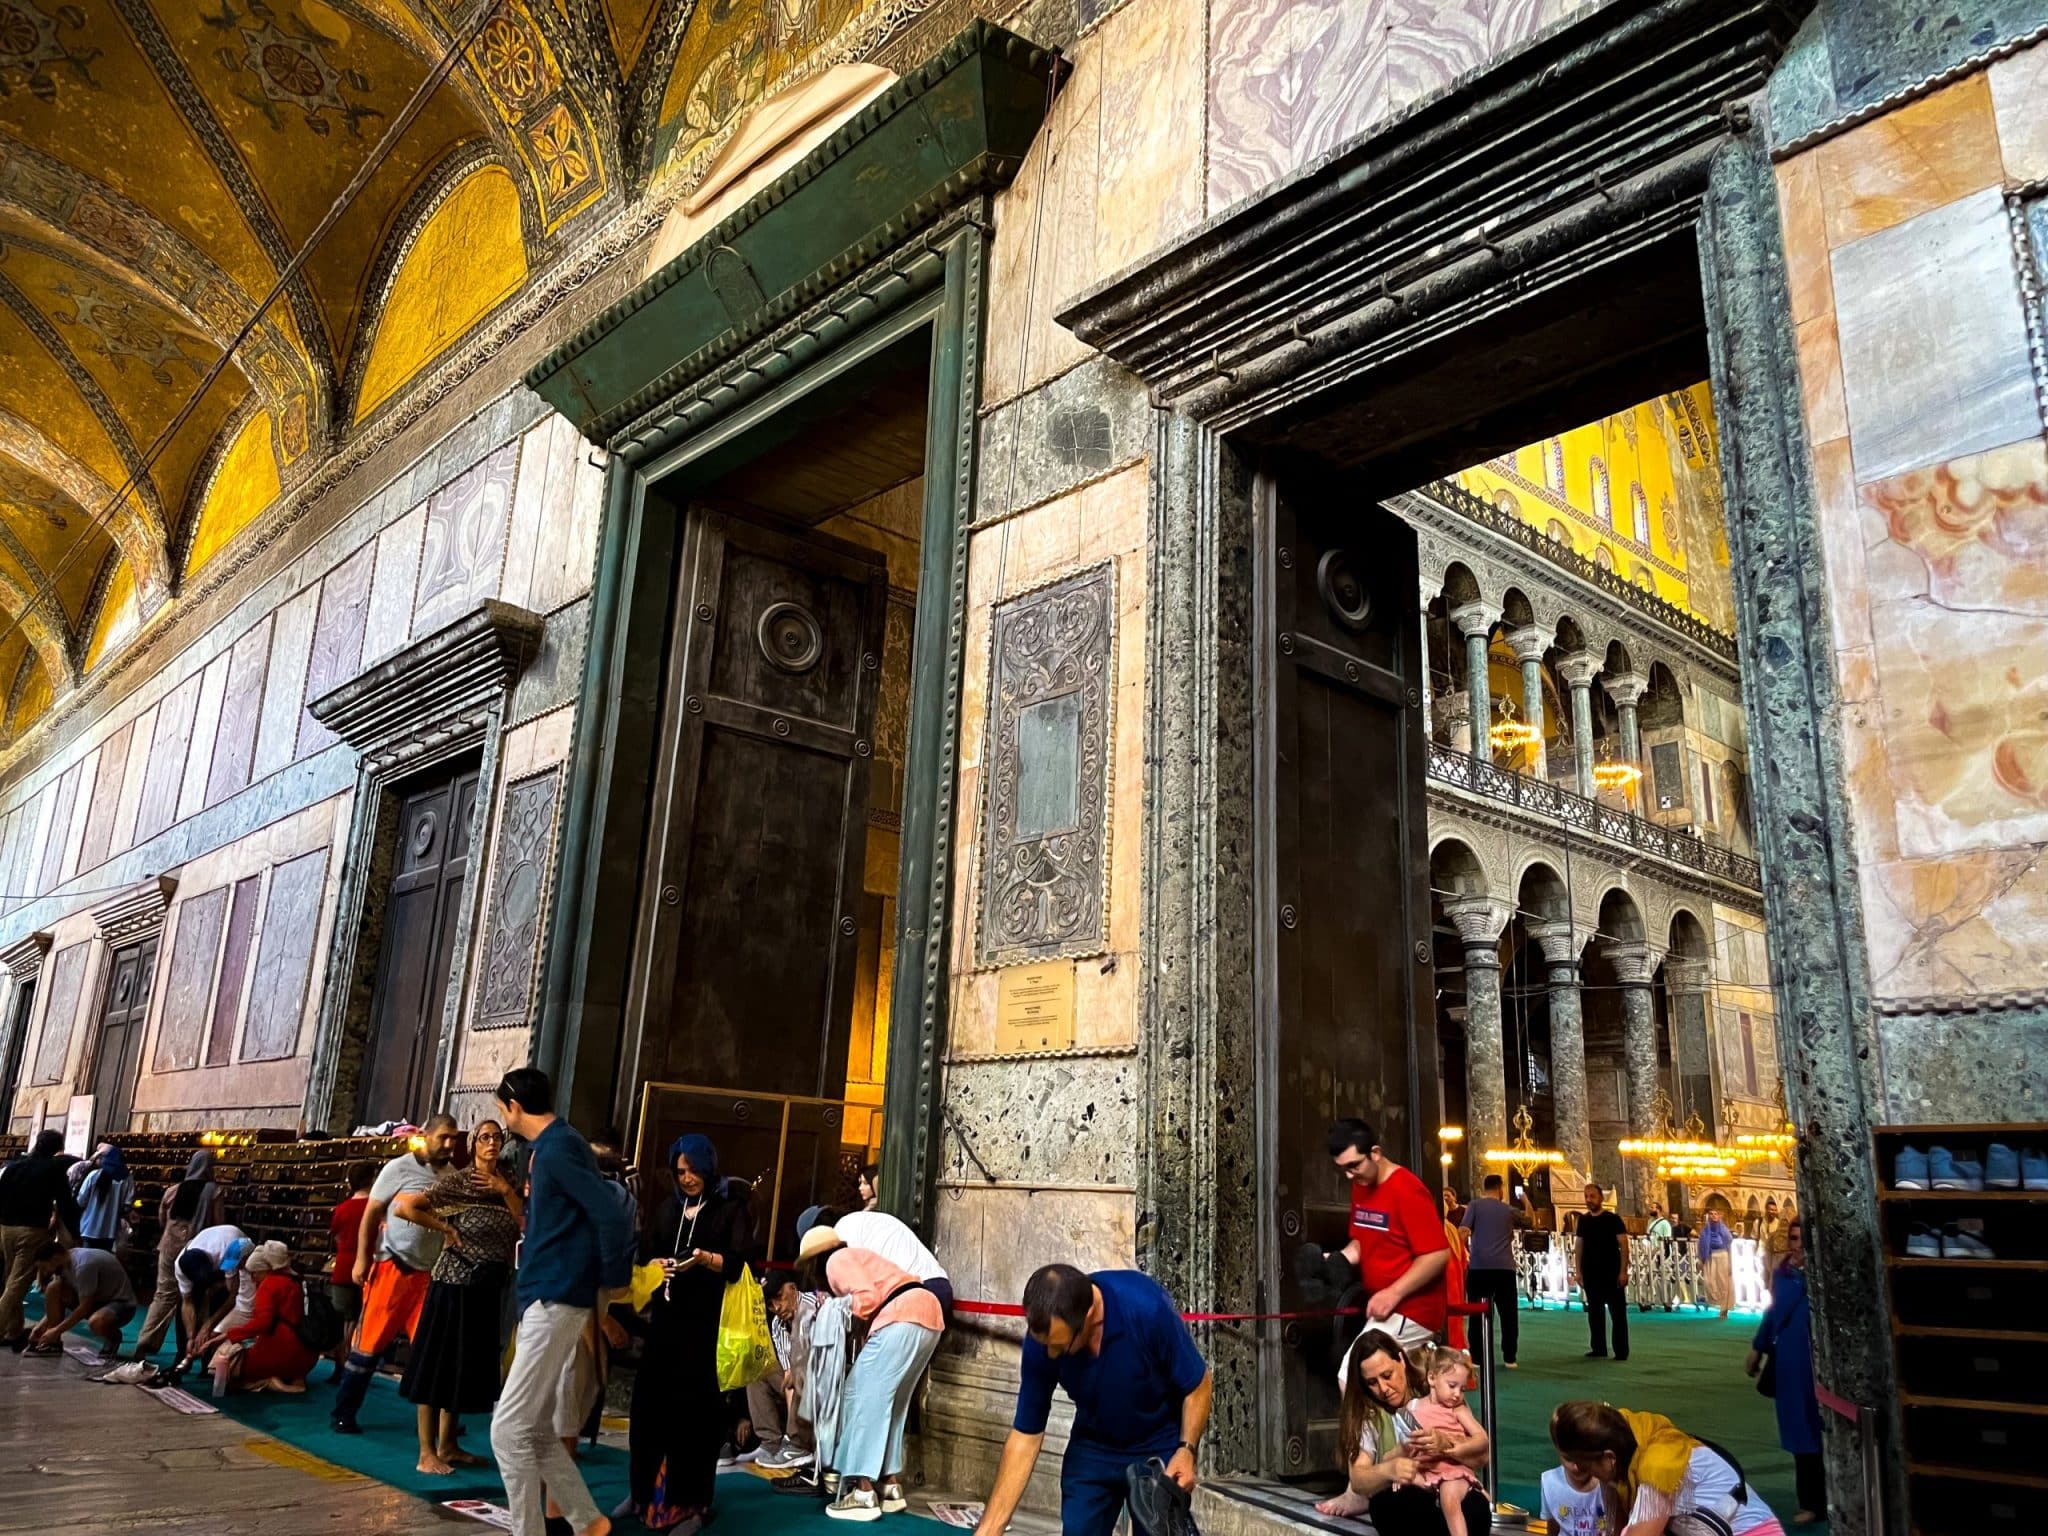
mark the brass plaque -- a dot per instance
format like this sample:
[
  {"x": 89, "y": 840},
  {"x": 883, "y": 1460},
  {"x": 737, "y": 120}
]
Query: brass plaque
[{"x": 1035, "y": 1008}]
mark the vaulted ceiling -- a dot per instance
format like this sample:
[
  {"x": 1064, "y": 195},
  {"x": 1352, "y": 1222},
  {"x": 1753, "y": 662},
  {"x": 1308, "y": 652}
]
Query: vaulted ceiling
[{"x": 163, "y": 166}]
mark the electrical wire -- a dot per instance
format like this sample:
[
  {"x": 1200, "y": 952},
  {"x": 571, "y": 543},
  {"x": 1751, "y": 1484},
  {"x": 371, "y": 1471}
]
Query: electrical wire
[{"x": 45, "y": 584}]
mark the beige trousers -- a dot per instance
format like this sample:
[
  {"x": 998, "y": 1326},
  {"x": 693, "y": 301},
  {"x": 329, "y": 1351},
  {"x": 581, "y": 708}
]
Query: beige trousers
[
  {"x": 1719, "y": 1279},
  {"x": 18, "y": 1247}
]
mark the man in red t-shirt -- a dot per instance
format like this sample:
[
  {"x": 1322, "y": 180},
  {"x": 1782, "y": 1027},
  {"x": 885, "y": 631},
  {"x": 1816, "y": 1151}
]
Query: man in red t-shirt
[
  {"x": 345, "y": 1223},
  {"x": 1397, "y": 1238}
]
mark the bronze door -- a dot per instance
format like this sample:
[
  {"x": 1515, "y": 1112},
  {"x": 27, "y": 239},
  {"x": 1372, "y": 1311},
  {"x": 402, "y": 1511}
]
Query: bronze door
[
  {"x": 750, "y": 905},
  {"x": 119, "y": 1057},
  {"x": 17, "y": 1038},
  {"x": 430, "y": 872},
  {"x": 1347, "y": 908}
]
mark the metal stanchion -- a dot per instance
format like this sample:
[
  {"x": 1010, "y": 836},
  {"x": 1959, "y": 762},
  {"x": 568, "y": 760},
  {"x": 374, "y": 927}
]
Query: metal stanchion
[
  {"x": 1489, "y": 1414},
  {"x": 1873, "y": 1472}
]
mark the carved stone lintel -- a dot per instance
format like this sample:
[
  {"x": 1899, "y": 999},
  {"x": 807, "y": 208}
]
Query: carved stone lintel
[
  {"x": 1633, "y": 963},
  {"x": 24, "y": 958},
  {"x": 1682, "y": 974},
  {"x": 138, "y": 913},
  {"x": 1479, "y": 921},
  {"x": 1558, "y": 940},
  {"x": 448, "y": 675}
]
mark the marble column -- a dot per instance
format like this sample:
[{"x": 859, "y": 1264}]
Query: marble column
[
  {"x": 1530, "y": 644},
  {"x": 1577, "y": 670},
  {"x": 1567, "y": 1041},
  {"x": 1479, "y": 921},
  {"x": 1475, "y": 622},
  {"x": 1685, "y": 985},
  {"x": 1627, "y": 690},
  {"x": 1633, "y": 965}
]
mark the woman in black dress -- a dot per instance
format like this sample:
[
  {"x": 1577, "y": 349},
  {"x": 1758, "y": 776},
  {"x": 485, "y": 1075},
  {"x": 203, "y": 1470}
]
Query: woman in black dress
[
  {"x": 679, "y": 1416},
  {"x": 455, "y": 1357}
]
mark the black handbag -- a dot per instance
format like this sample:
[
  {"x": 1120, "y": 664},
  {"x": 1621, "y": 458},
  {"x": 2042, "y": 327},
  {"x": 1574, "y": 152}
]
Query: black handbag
[{"x": 1767, "y": 1378}]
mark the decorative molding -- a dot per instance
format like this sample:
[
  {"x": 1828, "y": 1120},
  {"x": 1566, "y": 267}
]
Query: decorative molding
[
  {"x": 1951, "y": 1003},
  {"x": 434, "y": 687},
  {"x": 523, "y": 868},
  {"x": 1926, "y": 85},
  {"x": 138, "y": 913},
  {"x": 24, "y": 958},
  {"x": 1046, "y": 896}
]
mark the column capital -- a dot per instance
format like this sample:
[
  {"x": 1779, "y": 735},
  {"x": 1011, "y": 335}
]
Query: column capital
[
  {"x": 1529, "y": 643},
  {"x": 1579, "y": 668},
  {"x": 1684, "y": 974},
  {"x": 1479, "y": 921},
  {"x": 1476, "y": 618},
  {"x": 1557, "y": 938},
  {"x": 1626, "y": 688},
  {"x": 1634, "y": 964}
]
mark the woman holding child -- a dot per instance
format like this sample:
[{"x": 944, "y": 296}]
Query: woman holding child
[{"x": 1414, "y": 1449}]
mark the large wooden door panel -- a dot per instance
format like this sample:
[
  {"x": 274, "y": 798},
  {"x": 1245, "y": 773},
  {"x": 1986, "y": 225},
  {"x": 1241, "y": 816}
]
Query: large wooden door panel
[
  {"x": 1349, "y": 900},
  {"x": 118, "y": 1060},
  {"x": 749, "y": 913}
]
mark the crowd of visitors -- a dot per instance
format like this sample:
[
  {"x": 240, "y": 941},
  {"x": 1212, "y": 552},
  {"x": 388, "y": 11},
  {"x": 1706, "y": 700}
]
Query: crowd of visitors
[{"x": 532, "y": 1244}]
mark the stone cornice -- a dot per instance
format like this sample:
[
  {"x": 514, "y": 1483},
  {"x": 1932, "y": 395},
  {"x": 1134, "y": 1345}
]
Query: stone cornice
[
  {"x": 1595, "y": 136},
  {"x": 137, "y": 913},
  {"x": 435, "y": 685},
  {"x": 24, "y": 958}
]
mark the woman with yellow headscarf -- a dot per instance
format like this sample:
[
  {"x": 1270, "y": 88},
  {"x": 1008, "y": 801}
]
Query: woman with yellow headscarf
[{"x": 1669, "y": 1481}]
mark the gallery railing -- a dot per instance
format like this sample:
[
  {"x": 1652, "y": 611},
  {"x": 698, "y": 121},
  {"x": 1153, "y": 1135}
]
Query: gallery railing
[{"x": 1540, "y": 797}]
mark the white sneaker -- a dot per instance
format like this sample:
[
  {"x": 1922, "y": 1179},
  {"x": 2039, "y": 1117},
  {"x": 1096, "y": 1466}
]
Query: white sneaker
[
  {"x": 741, "y": 1458},
  {"x": 784, "y": 1457},
  {"x": 893, "y": 1502},
  {"x": 855, "y": 1504}
]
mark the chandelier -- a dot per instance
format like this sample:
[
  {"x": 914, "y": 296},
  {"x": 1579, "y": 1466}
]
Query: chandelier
[
  {"x": 1508, "y": 732},
  {"x": 1612, "y": 773},
  {"x": 1522, "y": 1154},
  {"x": 1685, "y": 1155}
]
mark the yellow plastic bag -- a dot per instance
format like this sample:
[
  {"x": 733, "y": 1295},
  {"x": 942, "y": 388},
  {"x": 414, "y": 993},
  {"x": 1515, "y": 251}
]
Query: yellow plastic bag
[
  {"x": 745, "y": 1351},
  {"x": 647, "y": 1280}
]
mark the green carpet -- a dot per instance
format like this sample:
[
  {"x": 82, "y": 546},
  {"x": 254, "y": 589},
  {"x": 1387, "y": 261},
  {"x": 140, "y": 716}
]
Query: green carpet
[{"x": 1685, "y": 1365}]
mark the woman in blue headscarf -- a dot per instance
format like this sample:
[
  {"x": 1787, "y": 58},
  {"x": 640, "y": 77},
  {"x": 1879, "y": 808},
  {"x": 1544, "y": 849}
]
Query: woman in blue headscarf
[
  {"x": 700, "y": 1236},
  {"x": 104, "y": 1198}
]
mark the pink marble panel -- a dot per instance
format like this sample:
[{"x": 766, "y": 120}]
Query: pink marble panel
[
  {"x": 106, "y": 799},
  {"x": 284, "y": 957},
  {"x": 188, "y": 988},
  {"x": 60, "y": 1014},
  {"x": 337, "y": 638},
  {"x": 1430, "y": 43},
  {"x": 234, "y": 970}
]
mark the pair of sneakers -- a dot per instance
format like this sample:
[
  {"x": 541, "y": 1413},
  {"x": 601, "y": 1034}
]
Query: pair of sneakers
[
  {"x": 784, "y": 1458},
  {"x": 1945, "y": 1242},
  {"x": 2002, "y": 1167},
  {"x": 868, "y": 1503}
]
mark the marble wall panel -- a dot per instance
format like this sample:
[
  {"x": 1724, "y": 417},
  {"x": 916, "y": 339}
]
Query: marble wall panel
[
  {"x": 141, "y": 733},
  {"x": 1149, "y": 173},
  {"x": 234, "y": 741},
  {"x": 1933, "y": 338},
  {"x": 522, "y": 523},
  {"x": 213, "y": 693},
  {"x": 337, "y": 639},
  {"x": 64, "y": 991},
  {"x": 59, "y": 831},
  {"x": 1043, "y": 1120},
  {"x": 1988, "y": 1067},
  {"x": 81, "y": 806},
  {"x": 284, "y": 958},
  {"x": 168, "y": 748},
  {"x": 565, "y": 550},
  {"x": 1922, "y": 156},
  {"x": 993, "y": 1239},
  {"x": 11, "y": 835},
  {"x": 284, "y": 685},
  {"x": 35, "y": 832},
  {"x": 462, "y": 549},
  {"x": 234, "y": 972},
  {"x": 188, "y": 984},
  {"x": 108, "y": 778},
  {"x": 2018, "y": 87},
  {"x": 388, "y": 624}
]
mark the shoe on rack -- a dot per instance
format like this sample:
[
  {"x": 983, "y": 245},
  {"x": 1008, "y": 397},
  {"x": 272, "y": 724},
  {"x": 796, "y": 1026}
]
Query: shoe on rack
[
  {"x": 1947, "y": 1171},
  {"x": 1958, "y": 1244},
  {"x": 893, "y": 1501},
  {"x": 2001, "y": 1167},
  {"x": 855, "y": 1504},
  {"x": 2033, "y": 1168},
  {"x": 1909, "y": 1169},
  {"x": 1923, "y": 1242}
]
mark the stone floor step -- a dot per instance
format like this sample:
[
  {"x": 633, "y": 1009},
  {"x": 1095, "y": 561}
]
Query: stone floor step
[{"x": 1250, "y": 1506}]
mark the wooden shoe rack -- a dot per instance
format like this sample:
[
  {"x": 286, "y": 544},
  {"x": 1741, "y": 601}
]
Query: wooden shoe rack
[{"x": 1970, "y": 1337}]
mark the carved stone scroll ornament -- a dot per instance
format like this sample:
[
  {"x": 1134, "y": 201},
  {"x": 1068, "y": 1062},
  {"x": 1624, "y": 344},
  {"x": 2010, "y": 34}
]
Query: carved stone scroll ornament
[
  {"x": 518, "y": 901},
  {"x": 1045, "y": 861}
]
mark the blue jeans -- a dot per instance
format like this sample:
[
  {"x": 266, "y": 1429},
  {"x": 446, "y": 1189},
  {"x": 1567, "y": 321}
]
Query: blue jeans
[
  {"x": 1095, "y": 1487},
  {"x": 878, "y": 1400}
]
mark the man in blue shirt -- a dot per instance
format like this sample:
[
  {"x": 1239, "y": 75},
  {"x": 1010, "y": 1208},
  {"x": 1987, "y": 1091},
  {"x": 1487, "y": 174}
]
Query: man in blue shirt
[
  {"x": 578, "y": 1241},
  {"x": 1140, "y": 1389}
]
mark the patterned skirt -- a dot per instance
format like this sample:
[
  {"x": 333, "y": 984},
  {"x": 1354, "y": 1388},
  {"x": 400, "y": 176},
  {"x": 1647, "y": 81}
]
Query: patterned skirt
[{"x": 455, "y": 1356}]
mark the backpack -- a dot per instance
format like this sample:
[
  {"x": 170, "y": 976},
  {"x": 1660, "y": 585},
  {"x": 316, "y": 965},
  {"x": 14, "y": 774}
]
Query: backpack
[{"x": 320, "y": 1329}]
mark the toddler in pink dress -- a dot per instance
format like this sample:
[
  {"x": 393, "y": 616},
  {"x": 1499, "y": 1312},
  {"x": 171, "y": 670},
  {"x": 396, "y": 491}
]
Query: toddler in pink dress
[{"x": 1443, "y": 1408}]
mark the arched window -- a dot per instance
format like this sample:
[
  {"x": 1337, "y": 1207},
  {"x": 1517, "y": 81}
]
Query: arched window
[
  {"x": 1643, "y": 578},
  {"x": 1639, "y": 506},
  {"x": 1556, "y": 531},
  {"x": 1603, "y": 500},
  {"x": 1553, "y": 465},
  {"x": 1601, "y": 558}
]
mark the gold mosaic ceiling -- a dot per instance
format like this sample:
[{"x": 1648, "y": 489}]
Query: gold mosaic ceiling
[{"x": 162, "y": 162}]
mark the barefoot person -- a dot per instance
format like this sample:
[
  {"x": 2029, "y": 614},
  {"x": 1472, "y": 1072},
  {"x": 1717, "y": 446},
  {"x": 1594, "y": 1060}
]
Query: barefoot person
[
  {"x": 1140, "y": 1389},
  {"x": 266, "y": 1354},
  {"x": 578, "y": 1242},
  {"x": 1383, "y": 1465}
]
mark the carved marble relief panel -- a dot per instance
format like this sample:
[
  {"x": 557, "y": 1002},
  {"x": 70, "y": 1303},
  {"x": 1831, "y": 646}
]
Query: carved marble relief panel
[
  {"x": 284, "y": 958},
  {"x": 337, "y": 638},
  {"x": 166, "y": 771},
  {"x": 518, "y": 902},
  {"x": 1045, "y": 843},
  {"x": 464, "y": 543},
  {"x": 106, "y": 799},
  {"x": 241, "y": 711},
  {"x": 234, "y": 971},
  {"x": 194, "y": 948},
  {"x": 67, "y": 982}
]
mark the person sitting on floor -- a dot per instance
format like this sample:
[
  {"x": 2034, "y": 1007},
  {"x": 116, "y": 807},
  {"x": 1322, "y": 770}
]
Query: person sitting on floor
[
  {"x": 266, "y": 1354},
  {"x": 1669, "y": 1481},
  {"x": 1447, "y": 1439},
  {"x": 81, "y": 1285},
  {"x": 1382, "y": 1460}
]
